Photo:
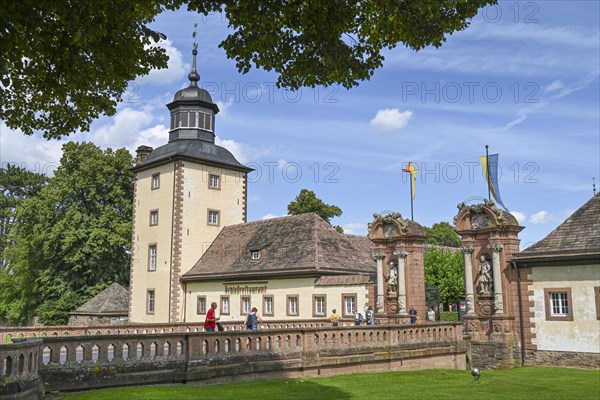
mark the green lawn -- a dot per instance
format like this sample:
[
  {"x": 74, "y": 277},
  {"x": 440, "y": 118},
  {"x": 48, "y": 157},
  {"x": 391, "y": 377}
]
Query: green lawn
[{"x": 529, "y": 383}]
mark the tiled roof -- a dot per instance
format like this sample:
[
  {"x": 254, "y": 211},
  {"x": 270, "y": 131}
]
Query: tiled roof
[
  {"x": 299, "y": 245},
  {"x": 579, "y": 234},
  {"x": 112, "y": 300},
  {"x": 193, "y": 149}
]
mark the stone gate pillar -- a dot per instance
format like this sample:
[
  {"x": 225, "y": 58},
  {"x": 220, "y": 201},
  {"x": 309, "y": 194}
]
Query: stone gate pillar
[
  {"x": 489, "y": 238},
  {"x": 468, "y": 253},
  {"x": 402, "y": 281},
  {"x": 379, "y": 256}
]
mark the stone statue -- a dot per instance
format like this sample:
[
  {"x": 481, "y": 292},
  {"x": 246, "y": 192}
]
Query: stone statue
[
  {"x": 392, "y": 280},
  {"x": 484, "y": 279}
]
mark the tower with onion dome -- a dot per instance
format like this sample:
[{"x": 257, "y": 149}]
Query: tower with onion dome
[{"x": 185, "y": 192}]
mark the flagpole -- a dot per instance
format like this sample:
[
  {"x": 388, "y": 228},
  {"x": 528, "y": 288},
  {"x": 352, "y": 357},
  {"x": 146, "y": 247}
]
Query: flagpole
[
  {"x": 487, "y": 171},
  {"x": 412, "y": 217}
]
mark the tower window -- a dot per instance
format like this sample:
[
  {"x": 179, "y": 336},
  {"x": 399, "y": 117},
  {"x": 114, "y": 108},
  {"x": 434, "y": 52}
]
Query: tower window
[
  {"x": 155, "y": 181},
  {"x": 150, "y": 300},
  {"x": 214, "y": 181},
  {"x": 213, "y": 217},
  {"x": 152, "y": 257},
  {"x": 255, "y": 255},
  {"x": 153, "y": 217}
]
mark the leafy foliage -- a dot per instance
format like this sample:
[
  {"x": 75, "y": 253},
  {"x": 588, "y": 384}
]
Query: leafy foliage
[
  {"x": 335, "y": 41},
  {"x": 307, "y": 202},
  {"x": 444, "y": 269},
  {"x": 442, "y": 234},
  {"x": 64, "y": 63},
  {"x": 71, "y": 240},
  {"x": 16, "y": 184}
]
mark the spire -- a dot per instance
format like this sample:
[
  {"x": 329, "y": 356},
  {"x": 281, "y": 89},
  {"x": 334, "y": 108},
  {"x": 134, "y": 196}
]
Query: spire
[{"x": 194, "y": 77}]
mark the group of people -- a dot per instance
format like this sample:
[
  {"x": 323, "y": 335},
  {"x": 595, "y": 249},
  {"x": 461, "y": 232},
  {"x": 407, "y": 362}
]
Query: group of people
[
  {"x": 370, "y": 317},
  {"x": 212, "y": 321},
  {"x": 252, "y": 320}
]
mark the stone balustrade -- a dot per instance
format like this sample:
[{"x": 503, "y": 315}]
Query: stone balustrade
[
  {"x": 19, "y": 364},
  {"x": 21, "y": 332},
  {"x": 95, "y": 361}
]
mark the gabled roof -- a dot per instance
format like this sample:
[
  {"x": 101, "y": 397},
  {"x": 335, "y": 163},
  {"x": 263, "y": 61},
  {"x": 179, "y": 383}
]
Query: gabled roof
[
  {"x": 299, "y": 245},
  {"x": 577, "y": 237},
  {"x": 114, "y": 300}
]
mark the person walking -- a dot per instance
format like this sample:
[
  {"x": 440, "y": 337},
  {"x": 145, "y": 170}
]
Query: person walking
[
  {"x": 210, "y": 323},
  {"x": 431, "y": 315},
  {"x": 335, "y": 318},
  {"x": 252, "y": 320},
  {"x": 370, "y": 317},
  {"x": 413, "y": 315}
]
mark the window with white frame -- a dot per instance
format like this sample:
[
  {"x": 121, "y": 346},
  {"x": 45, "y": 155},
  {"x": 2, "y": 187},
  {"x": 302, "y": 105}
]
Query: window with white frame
[
  {"x": 214, "y": 181},
  {"x": 255, "y": 255},
  {"x": 225, "y": 305},
  {"x": 292, "y": 305},
  {"x": 201, "y": 305},
  {"x": 349, "y": 304},
  {"x": 153, "y": 217},
  {"x": 268, "y": 305},
  {"x": 558, "y": 304},
  {"x": 150, "y": 301},
  {"x": 152, "y": 257},
  {"x": 213, "y": 217},
  {"x": 319, "y": 306},
  {"x": 246, "y": 305},
  {"x": 155, "y": 181}
]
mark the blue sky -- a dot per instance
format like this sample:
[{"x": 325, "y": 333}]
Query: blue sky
[{"x": 522, "y": 79}]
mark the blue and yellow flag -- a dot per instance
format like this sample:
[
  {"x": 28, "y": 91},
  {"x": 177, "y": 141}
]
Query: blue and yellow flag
[
  {"x": 492, "y": 176},
  {"x": 413, "y": 183}
]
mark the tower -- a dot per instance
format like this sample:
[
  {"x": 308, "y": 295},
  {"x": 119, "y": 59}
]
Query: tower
[{"x": 185, "y": 192}]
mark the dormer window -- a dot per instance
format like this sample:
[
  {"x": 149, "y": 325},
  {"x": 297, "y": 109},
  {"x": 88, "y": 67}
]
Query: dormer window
[
  {"x": 192, "y": 119},
  {"x": 255, "y": 255}
]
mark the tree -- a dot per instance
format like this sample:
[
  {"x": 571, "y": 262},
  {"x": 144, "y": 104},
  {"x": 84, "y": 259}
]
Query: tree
[
  {"x": 63, "y": 63},
  {"x": 16, "y": 184},
  {"x": 307, "y": 202},
  {"x": 71, "y": 240},
  {"x": 444, "y": 269},
  {"x": 442, "y": 234}
]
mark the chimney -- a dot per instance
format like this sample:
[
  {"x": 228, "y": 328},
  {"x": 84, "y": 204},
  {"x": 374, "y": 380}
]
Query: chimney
[{"x": 142, "y": 153}]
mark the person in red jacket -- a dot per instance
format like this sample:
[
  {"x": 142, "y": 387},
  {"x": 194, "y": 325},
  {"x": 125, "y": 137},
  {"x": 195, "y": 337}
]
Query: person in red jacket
[{"x": 211, "y": 319}]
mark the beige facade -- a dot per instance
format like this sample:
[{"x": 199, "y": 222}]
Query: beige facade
[
  {"x": 294, "y": 298},
  {"x": 576, "y": 327},
  {"x": 169, "y": 246}
]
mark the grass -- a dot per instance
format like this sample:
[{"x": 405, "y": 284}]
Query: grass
[{"x": 527, "y": 383}]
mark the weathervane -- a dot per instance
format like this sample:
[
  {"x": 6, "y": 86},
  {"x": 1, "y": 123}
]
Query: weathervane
[{"x": 194, "y": 34}]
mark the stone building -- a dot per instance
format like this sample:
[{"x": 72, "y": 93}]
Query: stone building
[
  {"x": 191, "y": 194},
  {"x": 185, "y": 192},
  {"x": 294, "y": 267},
  {"x": 561, "y": 302},
  {"x": 108, "y": 307}
]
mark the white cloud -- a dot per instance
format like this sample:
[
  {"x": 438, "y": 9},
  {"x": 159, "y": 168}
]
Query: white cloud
[
  {"x": 123, "y": 129},
  {"x": 521, "y": 217},
  {"x": 239, "y": 151},
  {"x": 556, "y": 85},
  {"x": 33, "y": 153},
  {"x": 224, "y": 107},
  {"x": 540, "y": 217},
  {"x": 355, "y": 228},
  {"x": 270, "y": 216},
  {"x": 175, "y": 71},
  {"x": 281, "y": 164},
  {"x": 391, "y": 119}
]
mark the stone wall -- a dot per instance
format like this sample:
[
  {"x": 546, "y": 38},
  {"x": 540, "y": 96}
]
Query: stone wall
[
  {"x": 75, "y": 363},
  {"x": 563, "y": 359},
  {"x": 19, "y": 378},
  {"x": 499, "y": 354}
]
